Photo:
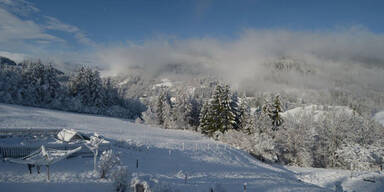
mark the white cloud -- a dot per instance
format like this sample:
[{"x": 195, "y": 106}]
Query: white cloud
[
  {"x": 24, "y": 30},
  {"x": 19, "y": 7},
  {"x": 13, "y": 28},
  {"x": 55, "y": 24},
  {"x": 336, "y": 56},
  {"x": 17, "y": 57}
]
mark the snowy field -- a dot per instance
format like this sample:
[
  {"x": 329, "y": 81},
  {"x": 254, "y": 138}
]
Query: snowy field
[{"x": 167, "y": 156}]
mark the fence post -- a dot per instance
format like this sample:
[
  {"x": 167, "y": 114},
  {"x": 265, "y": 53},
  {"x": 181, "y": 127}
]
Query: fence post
[
  {"x": 48, "y": 171},
  {"x": 186, "y": 178}
]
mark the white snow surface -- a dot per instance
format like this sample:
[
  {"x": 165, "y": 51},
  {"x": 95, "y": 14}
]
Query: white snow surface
[
  {"x": 319, "y": 111},
  {"x": 168, "y": 156},
  {"x": 164, "y": 83},
  {"x": 379, "y": 117}
]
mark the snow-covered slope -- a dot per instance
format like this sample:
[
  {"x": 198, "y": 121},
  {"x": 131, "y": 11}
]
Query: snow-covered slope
[
  {"x": 318, "y": 111},
  {"x": 166, "y": 155}
]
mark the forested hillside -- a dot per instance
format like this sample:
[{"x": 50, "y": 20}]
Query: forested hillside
[{"x": 33, "y": 83}]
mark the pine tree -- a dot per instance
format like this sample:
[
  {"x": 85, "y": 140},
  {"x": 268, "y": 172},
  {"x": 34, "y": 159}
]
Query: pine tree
[
  {"x": 236, "y": 110},
  {"x": 212, "y": 120},
  {"x": 168, "y": 114},
  {"x": 218, "y": 114},
  {"x": 272, "y": 109},
  {"x": 165, "y": 111},
  {"x": 193, "y": 113},
  {"x": 245, "y": 122},
  {"x": 51, "y": 84},
  {"x": 150, "y": 116},
  {"x": 227, "y": 112},
  {"x": 112, "y": 96},
  {"x": 159, "y": 110},
  {"x": 180, "y": 110},
  {"x": 204, "y": 119},
  {"x": 87, "y": 86}
]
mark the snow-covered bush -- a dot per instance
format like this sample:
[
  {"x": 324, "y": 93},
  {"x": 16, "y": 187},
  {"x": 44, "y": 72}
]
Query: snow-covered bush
[
  {"x": 151, "y": 184},
  {"x": 108, "y": 160},
  {"x": 120, "y": 178},
  {"x": 136, "y": 183},
  {"x": 357, "y": 157},
  {"x": 260, "y": 146},
  {"x": 316, "y": 136},
  {"x": 313, "y": 136},
  {"x": 294, "y": 142}
]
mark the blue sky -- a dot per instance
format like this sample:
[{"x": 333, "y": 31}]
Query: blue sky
[
  {"x": 55, "y": 26},
  {"x": 118, "y": 20}
]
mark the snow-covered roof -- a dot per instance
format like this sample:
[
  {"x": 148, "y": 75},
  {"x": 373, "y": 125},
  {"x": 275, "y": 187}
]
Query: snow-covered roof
[{"x": 68, "y": 135}]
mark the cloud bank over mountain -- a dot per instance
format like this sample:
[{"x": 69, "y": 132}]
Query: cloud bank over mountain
[{"x": 349, "y": 54}]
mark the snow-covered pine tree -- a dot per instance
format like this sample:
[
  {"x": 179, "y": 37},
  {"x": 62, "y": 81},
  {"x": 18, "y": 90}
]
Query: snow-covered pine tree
[
  {"x": 262, "y": 122},
  {"x": 204, "y": 118},
  {"x": 180, "y": 110},
  {"x": 96, "y": 90},
  {"x": 193, "y": 112},
  {"x": 31, "y": 90},
  {"x": 10, "y": 79},
  {"x": 218, "y": 115},
  {"x": 168, "y": 114},
  {"x": 226, "y": 114},
  {"x": 78, "y": 85},
  {"x": 51, "y": 85},
  {"x": 164, "y": 111},
  {"x": 245, "y": 121},
  {"x": 149, "y": 116},
  {"x": 159, "y": 108},
  {"x": 211, "y": 121},
  {"x": 235, "y": 110},
  {"x": 87, "y": 86},
  {"x": 112, "y": 96},
  {"x": 272, "y": 109}
]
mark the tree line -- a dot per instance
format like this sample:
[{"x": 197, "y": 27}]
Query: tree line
[
  {"x": 36, "y": 84},
  {"x": 305, "y": 139}
]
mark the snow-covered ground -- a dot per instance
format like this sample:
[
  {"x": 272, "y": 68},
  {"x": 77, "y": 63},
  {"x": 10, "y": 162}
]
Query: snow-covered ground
[
  {"x": 318, "y": 111},
  {"x": 379, "y": 117},
  {"x": 165, "y": 155}
]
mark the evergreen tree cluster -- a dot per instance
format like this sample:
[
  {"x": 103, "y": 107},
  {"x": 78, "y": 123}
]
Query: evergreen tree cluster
[
  {"x": 180, "y": 112},
  {"x": 220, "y": 113},
  {"x": 36, "y": 84}
]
